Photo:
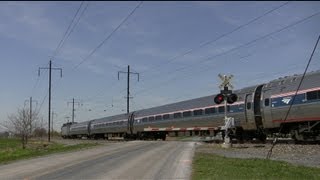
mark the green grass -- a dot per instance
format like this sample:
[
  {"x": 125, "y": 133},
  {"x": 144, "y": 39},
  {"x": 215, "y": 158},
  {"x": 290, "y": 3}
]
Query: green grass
[
  {"x": 210, "y": 166},
  {"x": 11, "y": 149}
]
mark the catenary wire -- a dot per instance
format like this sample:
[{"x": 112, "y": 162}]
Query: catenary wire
[
  {"x": 218, "y": 38},
  {"x": 238, "y": 47},
  {"x": 108, "y": 37},
  {"x": 66, "y": 33}
]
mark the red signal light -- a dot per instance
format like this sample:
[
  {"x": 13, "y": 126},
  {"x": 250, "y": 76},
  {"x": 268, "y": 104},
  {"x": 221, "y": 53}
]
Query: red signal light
[{"x": 219, "y": 99}]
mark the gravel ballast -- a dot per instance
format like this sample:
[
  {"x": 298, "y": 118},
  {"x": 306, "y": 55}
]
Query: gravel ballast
[{"x": 305, "y": 155}]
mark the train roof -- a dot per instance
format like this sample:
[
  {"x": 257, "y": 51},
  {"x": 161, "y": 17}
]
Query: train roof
[
  {"x": 182, "y": 105},
  {"x": 198, "y": 102}
]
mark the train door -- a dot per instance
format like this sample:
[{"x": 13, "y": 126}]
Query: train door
[
  {"x": 249, "y": 115},
  {"x": 257, "y": 107},
  {"x": 266, "y": 110}
]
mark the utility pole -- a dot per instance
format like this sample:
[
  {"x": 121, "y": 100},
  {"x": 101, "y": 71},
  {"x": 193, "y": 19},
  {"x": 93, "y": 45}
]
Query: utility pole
[
  {"x": 128, "y": 85},
  {"x": 49, "y": 114},
  {"x": 73, "y": 108},
  {"x": 30, "y": 109}
]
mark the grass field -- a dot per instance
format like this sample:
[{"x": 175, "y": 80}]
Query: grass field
[
  {"x": 210, "y": 166},
  {"x": 11, "y": 149}
]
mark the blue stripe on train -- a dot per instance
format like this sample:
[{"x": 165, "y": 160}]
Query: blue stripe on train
[{"x": 286, "y": 100}]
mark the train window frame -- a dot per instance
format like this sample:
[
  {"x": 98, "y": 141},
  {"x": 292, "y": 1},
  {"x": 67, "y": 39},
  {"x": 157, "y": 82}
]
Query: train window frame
[
  {"x": 267, "y": 102},
  {"x": 151, "y": 118},
  {"x": 158, "y": 118},
  {"x": 145, "y": 119},
  {"x": 175, "y": 115},
  {"x": 211, "y": 110},
  {"x": 221, "y": 109},
  {"x": 166, "y": 116},
  {"x": 186, "y": 114},
  {"x": 248, "y": 105},
  {"x": 313, "y": 95},
  {"x": 198, "y": 112}
]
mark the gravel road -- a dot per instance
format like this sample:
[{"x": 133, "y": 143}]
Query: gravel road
[
  {"x": 305, "y": 155},
  {"x": 122, "y": 160}
]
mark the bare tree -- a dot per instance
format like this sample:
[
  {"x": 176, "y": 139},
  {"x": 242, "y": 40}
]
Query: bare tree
[{"x": 22, "y": 124}]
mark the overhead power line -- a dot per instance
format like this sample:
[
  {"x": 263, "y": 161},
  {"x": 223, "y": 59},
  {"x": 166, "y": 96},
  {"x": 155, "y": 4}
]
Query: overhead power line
[
  {"x": 223, "y": 35},
  {"x": 235, "y": 48},
  {"x": 73, "y": 27},
  {"x": 66, "y": 34},
  {"x": 109, "y": 36},
  {"x": 206, "y": 43}
]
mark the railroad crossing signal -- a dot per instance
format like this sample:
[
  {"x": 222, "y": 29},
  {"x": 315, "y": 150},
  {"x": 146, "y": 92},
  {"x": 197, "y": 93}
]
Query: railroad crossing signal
[
  {"x": 225, "y": 94},
  {"x": 225, "y": 81}
]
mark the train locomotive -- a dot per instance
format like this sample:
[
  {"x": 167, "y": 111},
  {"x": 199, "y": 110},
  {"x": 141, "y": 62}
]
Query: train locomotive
[{"x": 260, "y": 111}]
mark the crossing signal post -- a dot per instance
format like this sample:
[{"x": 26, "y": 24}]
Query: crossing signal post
[{"x": 227, "y": 97}]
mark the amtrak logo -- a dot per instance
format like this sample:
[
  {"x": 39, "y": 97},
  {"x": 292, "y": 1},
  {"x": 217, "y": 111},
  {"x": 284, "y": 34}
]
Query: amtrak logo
[{"x": 286, "y": 100}]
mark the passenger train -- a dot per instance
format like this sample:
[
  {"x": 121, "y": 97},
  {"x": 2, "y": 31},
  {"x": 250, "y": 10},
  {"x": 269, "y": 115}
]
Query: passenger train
[{"x": 259, "y": 111}]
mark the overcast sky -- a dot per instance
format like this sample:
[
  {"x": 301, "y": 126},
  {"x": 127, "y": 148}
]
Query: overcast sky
[{"x": 152, "y": 41}]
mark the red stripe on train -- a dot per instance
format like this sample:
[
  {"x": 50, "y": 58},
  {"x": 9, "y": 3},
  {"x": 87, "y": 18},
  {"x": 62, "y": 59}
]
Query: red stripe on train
[{"x": 298, "y": 120}]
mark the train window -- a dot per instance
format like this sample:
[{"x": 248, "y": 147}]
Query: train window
[
  {"x": 248, "y": 105},
  {"x": 210, "y": 111},
  {"x": 166, "y": 116},
  {"x": 158, "y": 118},
  {"x": 186, "y": 113},
  {"x": 144, "y": 119},
  {"x": 198, "y": 112},
  {"x": 313, "y": 95},
  {"x": 266, "y": 102},
  {"x": 177, "y": 115},
  {"x": 151, "y": 118},
  {"x": 221, "y": 109}
]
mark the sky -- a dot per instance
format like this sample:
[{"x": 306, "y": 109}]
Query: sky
[{"x": 174, "y": 46}]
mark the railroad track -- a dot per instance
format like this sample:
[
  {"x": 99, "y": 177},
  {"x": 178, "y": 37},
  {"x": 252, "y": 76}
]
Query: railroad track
[{"x": 268, "y": 141}]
